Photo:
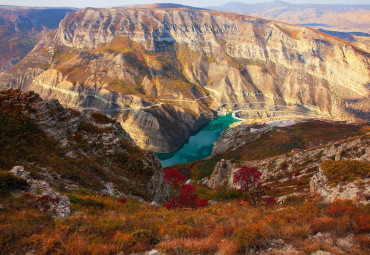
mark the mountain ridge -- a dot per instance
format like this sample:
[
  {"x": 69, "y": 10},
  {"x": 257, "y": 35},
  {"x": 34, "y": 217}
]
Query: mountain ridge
[{"x": 146, "y": 67}]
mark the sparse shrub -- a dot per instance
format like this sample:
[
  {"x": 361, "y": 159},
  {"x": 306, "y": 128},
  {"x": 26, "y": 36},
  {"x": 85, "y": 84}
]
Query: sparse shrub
[
  {"x": 249, "y": 180},
  {"x": 363, "y": 242},
  {"x": 9, "y": 183},
  {"x": 86, "y": 202},
  {"x": 122, "y": 200},
  {"x": 323, "y": 224},
  {"x": 249, "y": 235},
  {"x": 340, "y": 208},
  {"x": 101, "y": 118},
  {"x": 144, "y": 236},
  {"x": 226, "y": 193},
  {"x": 344, "y": 171},
  {"x": 361, "y": 222},
  {"x": 294, "y": 200}
]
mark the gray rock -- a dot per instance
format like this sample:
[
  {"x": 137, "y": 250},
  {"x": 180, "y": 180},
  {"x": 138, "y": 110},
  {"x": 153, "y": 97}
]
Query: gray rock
[
  {"x": 20, "y": 172},
  {"x": 190, "y": 182},
  {"x": 60, "y": 208},
  {"x": 158, "y": 188},
  {"x": 154, "y": 252}
]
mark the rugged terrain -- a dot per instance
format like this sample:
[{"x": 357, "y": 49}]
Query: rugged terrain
[
  {"x": 21, "y": 28},
  {"x": 348, "y": 17},
  {"x": 290, "y": 173},
  {"x": 164, "y": 72},
  {"x": 71, "y": 151},
  {"x": 329, "y": 160},
  {"x": 343, "y": 20}
]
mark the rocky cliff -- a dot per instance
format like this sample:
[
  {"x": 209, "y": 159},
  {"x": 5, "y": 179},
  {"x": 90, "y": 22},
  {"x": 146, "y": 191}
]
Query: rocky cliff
[
  {"x": 22, "y": 27},
  {"x": 70, "y": 151},
  {"x": 163, "y": 72},
  {"x": 298, "y": 172}
]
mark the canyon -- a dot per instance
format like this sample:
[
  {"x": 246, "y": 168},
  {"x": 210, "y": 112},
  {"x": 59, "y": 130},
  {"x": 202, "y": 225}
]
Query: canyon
[{"x": 165, "y": 72}]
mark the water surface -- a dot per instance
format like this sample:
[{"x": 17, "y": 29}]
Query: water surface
[{"x": 200, "y": 143}]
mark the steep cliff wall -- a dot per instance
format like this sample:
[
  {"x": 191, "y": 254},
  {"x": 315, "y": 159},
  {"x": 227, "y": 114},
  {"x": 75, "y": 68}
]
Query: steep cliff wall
[{"x": 163, "y": 72}]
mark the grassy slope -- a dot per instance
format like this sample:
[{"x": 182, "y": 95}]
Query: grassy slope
[
  {"x": 23, "y": 143},
  {"x": 105, "y": 226}
]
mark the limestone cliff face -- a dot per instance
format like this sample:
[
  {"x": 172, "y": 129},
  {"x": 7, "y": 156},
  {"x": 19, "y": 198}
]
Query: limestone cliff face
[{"x": 163, "y": 72}]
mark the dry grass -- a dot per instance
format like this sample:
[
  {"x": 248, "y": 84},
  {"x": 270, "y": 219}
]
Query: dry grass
[{"x": 137, "y": 227}]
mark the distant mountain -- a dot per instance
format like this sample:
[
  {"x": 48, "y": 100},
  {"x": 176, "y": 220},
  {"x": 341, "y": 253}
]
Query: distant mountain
[
  {"x": 164, "y": 73},
  {"x": 22, "y": 27},
  {"x": 162, "y": 6},
  {"x": 329, "y": 17}
]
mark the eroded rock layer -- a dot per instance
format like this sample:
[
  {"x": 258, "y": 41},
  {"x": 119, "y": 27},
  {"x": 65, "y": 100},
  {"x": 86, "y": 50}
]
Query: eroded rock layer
[{"x": 164, "y": 72}]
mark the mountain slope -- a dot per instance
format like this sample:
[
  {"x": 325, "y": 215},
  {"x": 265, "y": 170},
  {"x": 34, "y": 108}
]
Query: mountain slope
[
  {"x": 69, "y": 150},
  {"x": 164, "y": 72},
  {"x": 342, "y": 17},
  {"x": 22, "y": 27}
]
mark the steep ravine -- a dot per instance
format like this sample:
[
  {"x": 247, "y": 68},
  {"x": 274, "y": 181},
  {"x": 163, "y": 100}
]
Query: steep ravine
[{"x": 164, "y": 72}]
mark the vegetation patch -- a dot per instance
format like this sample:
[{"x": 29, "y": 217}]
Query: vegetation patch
[
  {"x": 9, "y": 183},
  {"x": 345, "y": 171},
  {"x": 102, "y": 118}
]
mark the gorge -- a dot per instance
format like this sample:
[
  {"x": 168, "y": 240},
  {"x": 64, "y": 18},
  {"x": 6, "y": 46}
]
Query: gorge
[{"x": 164, "y": 72}]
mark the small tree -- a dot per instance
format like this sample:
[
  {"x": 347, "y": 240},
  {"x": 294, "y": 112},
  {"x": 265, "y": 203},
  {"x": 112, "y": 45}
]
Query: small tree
[
  {"x": 249, "y": 180},
  {"x": 182, "y": 195}
]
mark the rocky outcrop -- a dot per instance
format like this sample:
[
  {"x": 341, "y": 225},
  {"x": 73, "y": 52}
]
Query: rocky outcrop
[
  {"x": 223, "y": 175},
  {"x": 170, "y": 69},
  {"x": 299, "y": 166},
  {"x": 60, "y": 204},
  {"x": 158, "y": 188},
  {"x": 87, "y": 144},
  {"x": 235, "y": 137},
  {"x": 358, "y": 191}
]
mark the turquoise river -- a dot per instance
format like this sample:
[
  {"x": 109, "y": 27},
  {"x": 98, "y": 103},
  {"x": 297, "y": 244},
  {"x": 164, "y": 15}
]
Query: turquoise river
[{"x": 200, "y": 143}]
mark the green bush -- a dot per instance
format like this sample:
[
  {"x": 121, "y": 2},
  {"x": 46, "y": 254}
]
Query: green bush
[
  {"x": 86, "y": 202},
  {"x": 344, "y": 171},
  {"x": 9, "y": 183}
]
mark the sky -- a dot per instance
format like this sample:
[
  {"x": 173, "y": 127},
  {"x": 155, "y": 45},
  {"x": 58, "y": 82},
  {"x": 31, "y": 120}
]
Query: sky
[{"x": 198, "y": 3}]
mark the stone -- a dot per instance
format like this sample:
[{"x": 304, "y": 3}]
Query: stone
[
  {"x": 358, "y": 192},
  {"x": 154, "y": 252},
  {"x": 189, "y": 182},
  {"x": 155, "y": 204},
  {"x": 20, "y": 172},
  {"x": 223, "y": 174},
  {"x": 61, "y": 207}
]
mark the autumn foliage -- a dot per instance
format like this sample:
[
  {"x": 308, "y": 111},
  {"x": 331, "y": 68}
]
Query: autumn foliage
[
  {"x": 183, "y": 195},
  {"x": 249, "y": 181}
]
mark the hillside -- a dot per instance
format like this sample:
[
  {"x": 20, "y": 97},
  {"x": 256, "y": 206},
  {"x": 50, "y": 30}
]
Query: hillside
[
  {"x": 340, "y": 17},
  {"x": 21, "y": 28},
  {"x": 343, "y": 21},
  {"x": 303, "y": 221},
  {"x": 163, "y": 73},
  {"x": 68, "y": 150}
]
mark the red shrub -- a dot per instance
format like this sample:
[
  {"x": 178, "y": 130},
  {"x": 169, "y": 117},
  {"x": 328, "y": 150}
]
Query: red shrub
[
  {"x": 340, "y": 208},
  {"x": 361, "y": 222},
  {"x": 269, "y": 201},
  {"x": 249, "y": 180},
  {"x": 173, "y": 177},
  {"x": 184, "y": 195},
  {"x": 122, "y": 201}
]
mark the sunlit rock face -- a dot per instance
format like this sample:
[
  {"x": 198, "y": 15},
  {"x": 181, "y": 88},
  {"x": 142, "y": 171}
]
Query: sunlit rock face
[{"x": 164, "y": 72}]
